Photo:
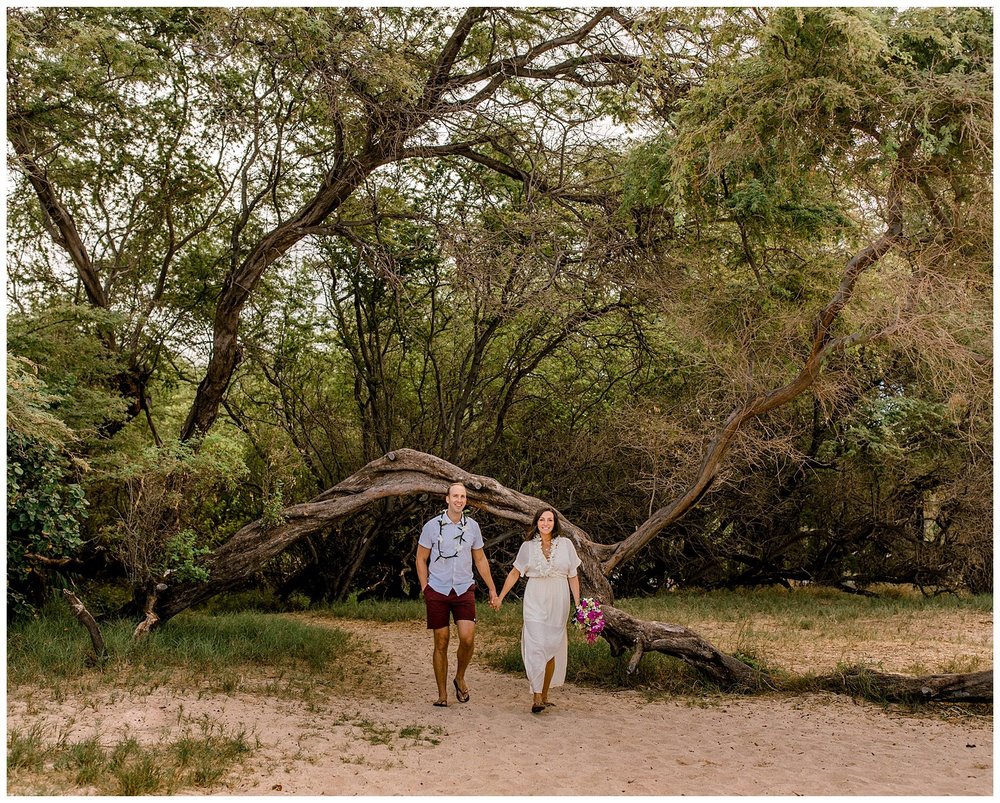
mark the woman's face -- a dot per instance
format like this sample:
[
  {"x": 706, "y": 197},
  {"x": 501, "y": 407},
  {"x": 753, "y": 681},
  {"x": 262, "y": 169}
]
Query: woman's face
[{"x": 546, "y": 522}]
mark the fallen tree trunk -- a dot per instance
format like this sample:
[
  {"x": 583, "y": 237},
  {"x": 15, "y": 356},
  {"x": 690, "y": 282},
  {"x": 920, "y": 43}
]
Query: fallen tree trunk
[
  {"x": 972, "y": 687},
  {"x": 407, "y": 473},
  {"x": 402, "y": 473},
  {"x": 624, "y": 632}
]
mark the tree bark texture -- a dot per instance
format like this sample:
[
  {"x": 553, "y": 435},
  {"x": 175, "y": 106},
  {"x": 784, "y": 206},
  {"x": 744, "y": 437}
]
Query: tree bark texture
[
  {"x": 88, "y": 621},
  {"x": 972, "y": 687}
]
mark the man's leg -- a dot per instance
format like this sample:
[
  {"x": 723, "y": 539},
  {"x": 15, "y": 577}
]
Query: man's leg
[
  {"x": 441, "y": 661},
  {"x": 466, "y": 646}
]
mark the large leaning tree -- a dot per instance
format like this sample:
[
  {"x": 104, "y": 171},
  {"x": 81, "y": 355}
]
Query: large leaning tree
[{"x": 844, "y": 150}]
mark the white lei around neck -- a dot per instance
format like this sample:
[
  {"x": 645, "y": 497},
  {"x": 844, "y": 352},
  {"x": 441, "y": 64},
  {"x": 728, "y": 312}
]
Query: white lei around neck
[
  {"x": 546, "y": 566},
  {"x": 443, "y": 520}
]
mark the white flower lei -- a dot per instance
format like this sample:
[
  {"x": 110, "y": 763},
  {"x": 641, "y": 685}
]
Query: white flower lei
[
  {"x": 546, "y": 567},
  {"x": 462, "y": 525}
]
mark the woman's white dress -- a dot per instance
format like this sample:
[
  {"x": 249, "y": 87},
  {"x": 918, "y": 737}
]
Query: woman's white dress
[{"x": 546, "y": 607}]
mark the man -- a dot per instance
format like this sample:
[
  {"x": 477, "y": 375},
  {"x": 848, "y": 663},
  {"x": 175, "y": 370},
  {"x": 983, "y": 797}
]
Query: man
[{"x": 449, "y": 544}]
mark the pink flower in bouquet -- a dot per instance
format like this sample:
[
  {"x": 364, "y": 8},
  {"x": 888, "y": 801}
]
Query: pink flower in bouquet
[{"x": 590, "y": 618}]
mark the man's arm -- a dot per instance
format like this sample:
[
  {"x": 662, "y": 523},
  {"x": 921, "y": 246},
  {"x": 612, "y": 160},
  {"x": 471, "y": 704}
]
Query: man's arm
[
  {"x": 423, "y": 557},
  {"x": 483, "y": 565}
]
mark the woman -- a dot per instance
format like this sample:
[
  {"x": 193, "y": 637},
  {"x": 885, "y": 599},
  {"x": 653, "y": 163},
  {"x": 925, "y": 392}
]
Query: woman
[{"x": 549, "y": 562}]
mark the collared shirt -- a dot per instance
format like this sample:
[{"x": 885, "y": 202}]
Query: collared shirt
[{"x": 450, "y": 565}]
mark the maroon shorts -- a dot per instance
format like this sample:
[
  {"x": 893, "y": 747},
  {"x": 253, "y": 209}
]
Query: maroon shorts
[{"x": 461, "y": 606}]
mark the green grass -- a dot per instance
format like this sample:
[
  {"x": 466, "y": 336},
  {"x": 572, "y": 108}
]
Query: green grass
[
  {"x": 801, "y": 604},
  {"x": 54, "y": 649},
  {"x": 126, "y": 767},
  {"x": 25, "y": 751},
  {"x": 406, "y": 610}
]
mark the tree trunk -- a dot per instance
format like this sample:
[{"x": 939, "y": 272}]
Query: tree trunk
[
  {"x": 409, "y": 473},
  {"x": 972, "y": 687},
  {"x": 402, "y": 473},
  {"x": 88, "y": 621},
  {"x": 624, "y": 632}
]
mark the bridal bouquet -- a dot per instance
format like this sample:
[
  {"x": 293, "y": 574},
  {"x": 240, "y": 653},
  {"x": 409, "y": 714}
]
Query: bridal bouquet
[{"x": 589, "y": 618}]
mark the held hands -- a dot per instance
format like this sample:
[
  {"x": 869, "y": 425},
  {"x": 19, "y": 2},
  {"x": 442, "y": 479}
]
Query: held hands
[{"x": 495, "y": 601}]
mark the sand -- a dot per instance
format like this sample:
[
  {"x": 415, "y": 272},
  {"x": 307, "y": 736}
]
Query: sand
[{"x": 590, "y": 743}]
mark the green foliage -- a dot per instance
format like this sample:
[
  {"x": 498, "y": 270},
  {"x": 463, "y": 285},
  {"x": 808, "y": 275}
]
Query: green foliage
[
  {"x": 45, "y": 502},
  {"x": 580, "y": 333},
  {"x": 896, "y": 428},
  {"x": 29, "y": 404},
  {"x": 162, "y": 493},
  {"x": 273, "y": 504},
  {"x": 182, "y": 554},
  {"x": 44, "y": 510},
  {"x": 60, "y": 350}
]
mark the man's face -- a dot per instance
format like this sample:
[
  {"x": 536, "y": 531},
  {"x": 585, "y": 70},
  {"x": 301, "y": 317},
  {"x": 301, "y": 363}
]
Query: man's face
[{"x": 456, "y": 499}]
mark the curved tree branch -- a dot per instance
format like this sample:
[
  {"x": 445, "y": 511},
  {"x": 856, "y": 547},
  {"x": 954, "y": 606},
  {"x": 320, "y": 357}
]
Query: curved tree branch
[
  {"x": 822, "y": 344},
  {"x": 409, "y": 473}
]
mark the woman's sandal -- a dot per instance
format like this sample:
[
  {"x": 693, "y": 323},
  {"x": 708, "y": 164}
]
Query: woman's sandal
[
  {"x": 441, "y": 703},
  {"x": 463, "y": 696},
  {"x": 537, "y": 709}
]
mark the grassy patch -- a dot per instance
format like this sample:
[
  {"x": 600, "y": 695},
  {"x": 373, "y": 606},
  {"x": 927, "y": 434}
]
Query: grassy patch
[
  {"x": 811, "y": 605},
  {"x": 405, "y": 610},
  {"x": 389, "y": 736},
  {"x": 217, "y": 652},
  {"x": 415, "y": 734},
  {"x": 125, "y": 767}
]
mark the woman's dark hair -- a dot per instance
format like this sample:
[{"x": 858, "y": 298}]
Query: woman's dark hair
[{"x": 534, "y": 524}]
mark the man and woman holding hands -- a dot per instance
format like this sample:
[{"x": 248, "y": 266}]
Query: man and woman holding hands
[{"x": 450, "y": 544}]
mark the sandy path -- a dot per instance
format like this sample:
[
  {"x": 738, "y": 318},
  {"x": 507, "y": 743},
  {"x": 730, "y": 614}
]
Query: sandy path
[{"x": 590, "y": 743}]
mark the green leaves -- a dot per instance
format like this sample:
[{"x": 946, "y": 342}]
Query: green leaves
[{"x": 45, "y": 508}]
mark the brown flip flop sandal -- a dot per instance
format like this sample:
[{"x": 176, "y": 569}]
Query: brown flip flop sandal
[{"x": 463, "y": 696}]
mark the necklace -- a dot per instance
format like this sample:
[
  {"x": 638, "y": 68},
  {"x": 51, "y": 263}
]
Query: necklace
[
  {"x": 552, "y": 546},
  {"x": 458, "y": 541}
]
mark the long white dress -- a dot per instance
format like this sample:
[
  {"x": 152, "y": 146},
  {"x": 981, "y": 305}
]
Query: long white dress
[{"x": 546, "y": 607}]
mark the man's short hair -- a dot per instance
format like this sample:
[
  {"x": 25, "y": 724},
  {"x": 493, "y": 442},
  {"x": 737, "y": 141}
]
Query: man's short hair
[{"x": 454, "y": 484}]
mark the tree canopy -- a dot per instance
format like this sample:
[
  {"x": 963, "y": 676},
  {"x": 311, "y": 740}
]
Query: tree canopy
[{"x": 715, "y": 283}]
